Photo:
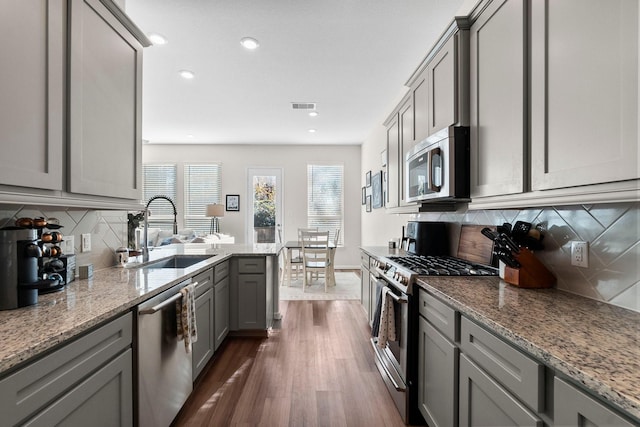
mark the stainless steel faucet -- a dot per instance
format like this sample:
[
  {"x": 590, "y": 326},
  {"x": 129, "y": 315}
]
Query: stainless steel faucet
[{"x": 145, "y": 247}]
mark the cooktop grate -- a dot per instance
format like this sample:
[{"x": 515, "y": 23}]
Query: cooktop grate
[{"x": 442, "y": 266}]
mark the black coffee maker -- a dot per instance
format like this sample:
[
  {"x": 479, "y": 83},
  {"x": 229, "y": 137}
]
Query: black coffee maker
[{"x": 19, "y": 253}]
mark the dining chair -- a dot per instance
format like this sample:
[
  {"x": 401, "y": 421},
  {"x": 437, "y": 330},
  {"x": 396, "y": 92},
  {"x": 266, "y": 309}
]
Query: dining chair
[
  {"x": 292, "y": 262},
  {"x": 315, "y": 256}
]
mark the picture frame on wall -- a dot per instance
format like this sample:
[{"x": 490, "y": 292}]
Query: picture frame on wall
[
  {"x": 376, "y": 190},
  {"x": 232, "y": 203},
  {"x": 368, "y": 179},
  {"x": 364, "y": 195},
  {"x": 368, "y": 203}
]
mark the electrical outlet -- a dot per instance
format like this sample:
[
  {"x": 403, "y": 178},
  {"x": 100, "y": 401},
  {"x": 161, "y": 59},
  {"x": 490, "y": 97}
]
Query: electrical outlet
[
  {"x": 86, "y": 242},
  {"x": 69, "y": 245},
  {"x": 580, "y": 254}
]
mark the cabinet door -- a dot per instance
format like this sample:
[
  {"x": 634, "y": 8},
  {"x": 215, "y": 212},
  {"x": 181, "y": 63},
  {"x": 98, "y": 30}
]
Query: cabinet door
[
  {"x": 252, "y": 310},
  {"x": 393, "y": 164},
  {"x": 437, "y": 377},
  {"x": 574, "y": 408},
  {"x": 420, "y": 93},
  {"x": 221, "y": 299},
  {"x": 105, "y": 81},
  {"x": 103, "y": 399},
  {"x": 584, "y": 92},
  {"x": 202, "y": 349},
  {"x": 32, "y": 38},
  {"x": 406, "y": 143},
  {"x": 442, "y": 78},
  {"x": 483, "y": 402},
  {"x": 365, "y": 298},
  {"x": 497, "y": 95}
]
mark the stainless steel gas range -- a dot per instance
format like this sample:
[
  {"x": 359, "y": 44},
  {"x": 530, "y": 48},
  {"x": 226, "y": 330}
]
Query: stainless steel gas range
[{"x": 397, "y": 359}]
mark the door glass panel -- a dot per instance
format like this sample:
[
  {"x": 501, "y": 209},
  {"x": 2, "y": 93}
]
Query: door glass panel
[{"x": 264, "y": 205}]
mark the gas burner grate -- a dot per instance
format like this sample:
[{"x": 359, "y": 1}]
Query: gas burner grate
[{"x": 442, "y": 266}]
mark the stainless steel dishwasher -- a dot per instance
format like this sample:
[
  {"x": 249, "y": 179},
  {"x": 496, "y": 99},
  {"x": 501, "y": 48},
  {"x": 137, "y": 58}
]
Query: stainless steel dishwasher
[{"x": 164, "y": 366}]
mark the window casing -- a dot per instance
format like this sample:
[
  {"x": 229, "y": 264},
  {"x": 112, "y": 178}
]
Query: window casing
[{"x": 325, "y": 199}]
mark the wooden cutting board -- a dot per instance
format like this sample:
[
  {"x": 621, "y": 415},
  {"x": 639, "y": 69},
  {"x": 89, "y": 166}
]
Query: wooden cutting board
[{"x": 473, "y": 246}]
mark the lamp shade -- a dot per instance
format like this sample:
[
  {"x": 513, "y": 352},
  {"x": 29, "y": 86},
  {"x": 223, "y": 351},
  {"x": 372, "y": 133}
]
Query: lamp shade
[{"x": 215, "y": 210}]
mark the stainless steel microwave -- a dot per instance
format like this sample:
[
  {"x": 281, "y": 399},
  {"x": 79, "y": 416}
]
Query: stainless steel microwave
[{"x": 437, "y": 169}]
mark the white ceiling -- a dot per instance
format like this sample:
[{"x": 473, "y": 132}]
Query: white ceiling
[{"x": 351, "y": 57}]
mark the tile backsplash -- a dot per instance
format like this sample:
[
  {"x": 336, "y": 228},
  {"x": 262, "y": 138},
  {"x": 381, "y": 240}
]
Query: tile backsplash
[
  {"x": 108, "y": 229},
  {"x": 613, "y": 233}
]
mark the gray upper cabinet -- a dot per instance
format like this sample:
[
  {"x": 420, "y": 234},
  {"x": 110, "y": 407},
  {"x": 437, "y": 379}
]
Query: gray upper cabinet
[
  {"x": 584, "y": 92},
  {"x": 70, "y": 104},
  {"x": 497, "y": 99},
  {"x": 393, "y": 164},
  {"x": 105, "y": 104},
  {"x": 32, "y": 38}
]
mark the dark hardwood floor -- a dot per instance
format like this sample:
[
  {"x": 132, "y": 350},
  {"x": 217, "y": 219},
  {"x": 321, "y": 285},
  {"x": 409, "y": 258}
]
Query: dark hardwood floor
[{"x": 317, "y": 369}]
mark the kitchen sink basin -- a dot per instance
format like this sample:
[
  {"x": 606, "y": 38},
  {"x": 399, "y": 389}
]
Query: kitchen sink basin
[{"x": 177, "y": 261}]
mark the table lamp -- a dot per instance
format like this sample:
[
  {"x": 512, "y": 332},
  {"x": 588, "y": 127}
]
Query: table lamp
[{"x": 215, "y": 211}]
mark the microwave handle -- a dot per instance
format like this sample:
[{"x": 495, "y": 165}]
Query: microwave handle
[{"x": 432, "y": 153}]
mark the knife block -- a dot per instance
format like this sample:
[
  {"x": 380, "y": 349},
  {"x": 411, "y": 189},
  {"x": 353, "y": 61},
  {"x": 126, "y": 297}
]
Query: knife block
[{"x": 531, "y": 274}]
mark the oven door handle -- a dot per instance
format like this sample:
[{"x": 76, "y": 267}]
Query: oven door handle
[
  {"x": 386, "y": 370},
  {"x": 398, "y": 299}
]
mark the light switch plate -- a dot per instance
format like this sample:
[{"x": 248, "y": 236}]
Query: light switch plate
[
  {"x": 86, "y": 242},
  {"x": 69, "y": 245}
]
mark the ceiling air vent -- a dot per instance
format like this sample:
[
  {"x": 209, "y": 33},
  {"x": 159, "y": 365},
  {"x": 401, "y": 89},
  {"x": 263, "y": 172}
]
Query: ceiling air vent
[{"x": 303, "y": 105}]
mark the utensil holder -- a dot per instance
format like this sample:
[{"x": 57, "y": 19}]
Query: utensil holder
[{"x": 531, "y": 274}]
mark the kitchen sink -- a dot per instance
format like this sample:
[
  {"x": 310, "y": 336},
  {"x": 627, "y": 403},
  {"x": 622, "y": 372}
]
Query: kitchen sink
[{"x": 177, "y": 261}]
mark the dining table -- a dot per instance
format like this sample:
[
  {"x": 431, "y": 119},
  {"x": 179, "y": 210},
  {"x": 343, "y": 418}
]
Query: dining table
[{"x": 295, "y": 245}]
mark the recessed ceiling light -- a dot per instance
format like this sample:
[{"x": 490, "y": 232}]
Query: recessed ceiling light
[
  {"x": 190, "y": 136},
  {"x": 157, "y": 39},
  {"x": 312, "y": 130},
  {"x": 186, "y": 74},
  {"x": 249, "y": 43},
  {"x": 313, "y": 113}
]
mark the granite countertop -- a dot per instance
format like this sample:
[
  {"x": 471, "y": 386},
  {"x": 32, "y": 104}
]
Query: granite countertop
[
  {"x": 591, "y": 342},
  {"x": 29, "y": 331}
]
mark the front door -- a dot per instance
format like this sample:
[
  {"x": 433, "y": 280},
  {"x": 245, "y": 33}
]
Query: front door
[{"x": 265, "y": 204}]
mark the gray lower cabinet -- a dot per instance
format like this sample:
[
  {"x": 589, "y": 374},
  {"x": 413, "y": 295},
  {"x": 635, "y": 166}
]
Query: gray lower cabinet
[
  {"x": 221, "y": 299},
  {"x": 575, "y": 408},
  {"x": 365, "y": 291},
  {"x": 437, "y": 376},
  {"x": 251, "y": 289},
  {"x": 86, "y": 382},
  {"x": 202, "y": 350},
  {"x": 484, "y": 402}
]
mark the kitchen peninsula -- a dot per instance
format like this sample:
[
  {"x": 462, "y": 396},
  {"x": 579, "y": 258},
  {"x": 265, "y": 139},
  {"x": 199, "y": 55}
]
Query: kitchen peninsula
[{"x": 104, "y": 303}]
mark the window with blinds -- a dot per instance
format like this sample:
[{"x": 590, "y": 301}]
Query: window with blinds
[
  {"x": 325, "y": 199},
  {"x": 160, "y": 179},
  {"x": 202, "y": 186}
]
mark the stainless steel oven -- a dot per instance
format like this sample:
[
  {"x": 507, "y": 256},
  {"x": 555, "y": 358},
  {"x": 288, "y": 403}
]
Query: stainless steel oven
[{"x": 437, "y": 169}]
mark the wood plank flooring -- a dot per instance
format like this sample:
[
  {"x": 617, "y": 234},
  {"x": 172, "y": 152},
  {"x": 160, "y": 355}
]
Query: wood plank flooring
[{"x": 317, "y": 369}]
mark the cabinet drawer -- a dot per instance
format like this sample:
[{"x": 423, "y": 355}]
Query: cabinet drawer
[
  {"x": 27, "y": 390},
  {"x": 440, "y": 315},
  {"x": 204, "y": 281},
  {"x": 251, "y": 265},
  {"x": 571, "y": 404},
  {"x": 364, "y": 260},
  {"x": 220, "y": 271},
  {"x": 523, "y": 376}
]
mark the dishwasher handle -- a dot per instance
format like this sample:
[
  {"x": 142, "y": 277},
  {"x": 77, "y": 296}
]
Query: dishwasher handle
[{"x": 164, "y": 303}]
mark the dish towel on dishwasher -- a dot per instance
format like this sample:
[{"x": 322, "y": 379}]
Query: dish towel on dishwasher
[
  {"x": 186, "y": 316},
  {"x": 387, "y": 328}
]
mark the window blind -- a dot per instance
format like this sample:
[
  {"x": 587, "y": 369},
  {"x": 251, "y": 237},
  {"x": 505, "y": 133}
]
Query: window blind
[
  {"x": 202, "y": 186},
  {"x": 160, "y": 179},
  {"x": 325, "y": 189}
]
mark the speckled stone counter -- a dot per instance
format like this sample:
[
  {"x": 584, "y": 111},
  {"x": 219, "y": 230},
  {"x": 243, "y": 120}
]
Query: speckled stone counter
[
  {"x": 30, "y": 331},
  {"x": 593, "y": 343}
]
